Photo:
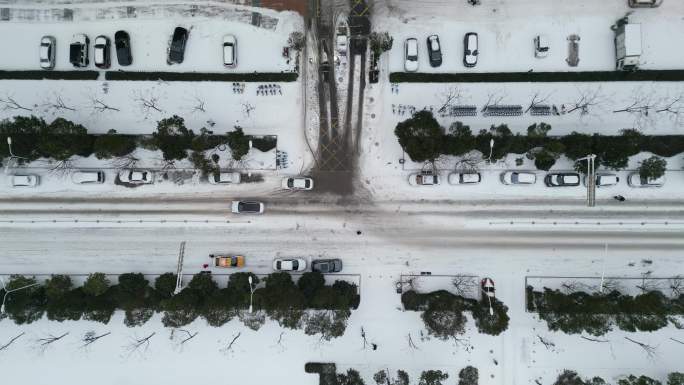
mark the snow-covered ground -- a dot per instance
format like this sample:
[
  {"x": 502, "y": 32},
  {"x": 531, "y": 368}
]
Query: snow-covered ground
[
  {"x": 506, "y": 30},
  {"x": 258, "y": 49}
]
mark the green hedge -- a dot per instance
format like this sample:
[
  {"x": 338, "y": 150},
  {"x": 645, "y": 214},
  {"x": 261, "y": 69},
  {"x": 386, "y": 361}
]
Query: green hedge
[
  {"x": 203, "y": 76},
  {"x": 50, "y": 75},
  {"x": 526, "y": 77},
  {"x": 598, "y": 313},
  {"x": 443, "y": 312},
  {"x": 281, "y": 299}
]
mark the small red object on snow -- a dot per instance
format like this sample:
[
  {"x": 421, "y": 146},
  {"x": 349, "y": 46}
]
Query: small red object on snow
[{"x": 205, "y": 265}]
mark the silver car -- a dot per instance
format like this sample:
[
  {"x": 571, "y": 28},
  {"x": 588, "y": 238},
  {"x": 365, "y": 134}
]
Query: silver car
[{"x": 48, "y": 47}]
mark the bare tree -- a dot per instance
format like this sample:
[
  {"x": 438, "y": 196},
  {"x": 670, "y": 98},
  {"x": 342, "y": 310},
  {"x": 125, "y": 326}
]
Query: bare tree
[
  {"x": 494, "y": 99},
  {"x": 148, "y": 103},
  {"x": 9, "y": 103},
  {"x": 98, "y": 105},
  {"x": 247, "y": 108},
  {"x": 199, "y": 105},
  {"x": 593, "y": 339},
  {"x": 45, "y": 343},
  {"x": 61, "y": 167},
  {"x": 56, "y": 105},
  {"x": 676, "y": 285},
  {"x": 181, "y": 336},
  {"x": 411, "y": 344},
  {"x": 363, "y": 335},
  {"x": 463, "y": 284},
  {"x": 279, "y": 343},
  {"x": 139, "y": 345},
  {"x": 677, "y": 341},
  {"x": 90, "y": 338},
  {"x": 537, "y": 99},
  {"x": 548, "y": 344},
  {"x": 5, "y": 346},
  {"x": 651, "y": 351},
  {"x": 450, "y": 96},
  {"x": 587, "y": 99},
  {"x": 647, "y": 284},
  {"x": 126, "y": 161},
  {"x": 641, "y": 105},
  {"x": 229, "y": 347},
  {"x": 673, "y": 107}
]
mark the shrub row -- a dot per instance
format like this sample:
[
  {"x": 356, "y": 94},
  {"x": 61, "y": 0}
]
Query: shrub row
[
  {"x": 598, "y": 313},
  {"x": 526, "y": 77},
  {"x": 280, "y": 298},
  {"x": 61, "y": 139},
  {"x": 443, "y": 313},
  {"x": 50, "y": 75},
  {"x": 570, "y": 377},
  {"x": 423, "y": 139},
  {"x": 203, "y": 76}
]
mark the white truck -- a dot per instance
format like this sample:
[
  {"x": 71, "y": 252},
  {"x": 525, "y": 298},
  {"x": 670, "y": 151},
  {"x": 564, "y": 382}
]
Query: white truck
[{"x": 627, "y": 47}]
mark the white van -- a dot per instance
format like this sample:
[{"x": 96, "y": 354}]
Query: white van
[
  {"x": 229, "y": 51},
  {"x": 88, "y": 177}
]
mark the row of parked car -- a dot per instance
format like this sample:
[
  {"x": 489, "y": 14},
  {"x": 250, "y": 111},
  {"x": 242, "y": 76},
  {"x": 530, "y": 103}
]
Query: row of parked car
[
  {"x": 553, "y": 179},
  {"x": 79, "y": 50},
  {"x": 282, "y": 264},
  {"x": 434, "y": 48}
]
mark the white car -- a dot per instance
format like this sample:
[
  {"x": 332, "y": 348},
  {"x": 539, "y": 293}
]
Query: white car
[
  {"x": 102, "y": 51},
  {"x": 635, "y": 180},
  {"x": 25, "y": 180},
  {"x": 47, "y": 52},
  {"x": 289, "y": 264},
  {"x": 224, "y": 178},
  {"x": 411, "y": 55},
  {"x": 297, "y": 183},
  {"x": 247, "y": 207},
  {"x": 518, "y": 177},
  {"x": 229, "y": 51},
  {"x": 470, "y": 49},
  {"x": 88, "y": 177},
  {"x": 424, "y": 180},
  {"x": 605, "y": 180},
  {"x": 465, "y": 178},
  {"x": 136, "y": 176}
]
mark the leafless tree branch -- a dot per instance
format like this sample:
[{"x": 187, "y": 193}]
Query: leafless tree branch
[
  {"x": 229, "y": 347},
  {"x": 5, "y": 346},
  {"x": 9, "y": 103},
  {"x": 411, "y": 344},
  {"x": 90, "y": 337},
  {"x": 450, "y": 95},
  {"x": 650, "y": 351},
  {"x": 593, "y": 339},
  {"x": 139, "y": 344},
  {"x": 463, "y": 284}
]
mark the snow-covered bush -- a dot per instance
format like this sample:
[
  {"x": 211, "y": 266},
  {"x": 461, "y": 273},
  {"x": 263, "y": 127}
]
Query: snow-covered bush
[
  {"x": 432, "y": 377},
  {"x": 468, "y": 376}
]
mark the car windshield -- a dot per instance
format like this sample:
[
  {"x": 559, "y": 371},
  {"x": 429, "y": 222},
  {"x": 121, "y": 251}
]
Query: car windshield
[
  {"x": 295, "y": 265},
  {"x": 290, "y": 183},
  {"x": 278, "y": 265}
]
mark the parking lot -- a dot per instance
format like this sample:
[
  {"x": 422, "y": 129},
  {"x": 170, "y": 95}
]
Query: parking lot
[{"x": 506, "y": 39}]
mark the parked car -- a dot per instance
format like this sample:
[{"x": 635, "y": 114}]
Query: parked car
[
  {"x": 297, "y": 183},
  {"x": 247, "y": 207},
  {"x": 229, "y": 51},
  {"x": 487, "y": 286},
  {"x": 289, "y": 264},
  {"x": 88, "y": 177},
  {"x": 177, "y": 47},
  {"x": 604, "y": 180},
  {"x": 136, "y": 176},
  {"x": 48, "y": 46},
  {"x": 25, "y": 180},
  {"x": 78, "y": 50},
  {"x": 470, "y": 49},
  {"x": 464, "y": 178},
  {"x": 562, "y": 179},
  {"x": 644, "y": 3},
  {"x": 122, "y": 43},
  {"x": 635, "y": 180},
  {"x": 434, "y": 51},
  {"x": 228, "y": 260},
  {"x": 101, "y": 53},
  {"x": 518, "y": 177},
  {"x": 411, "y": 55},
  {"x": 541, "y": 46},
  {"x": 224, "y": 178},
  {"x": 327, "y": 265},
  {"x": 424, "y": 180}
]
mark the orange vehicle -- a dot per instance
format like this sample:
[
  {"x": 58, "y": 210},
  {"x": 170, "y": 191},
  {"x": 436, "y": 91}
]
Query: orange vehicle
[{"x": 228, "y": 260}]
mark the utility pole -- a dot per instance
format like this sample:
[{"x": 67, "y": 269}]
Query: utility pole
[
  {"x": 179, "y": 269},
  {"x": 591, "y": 179}
]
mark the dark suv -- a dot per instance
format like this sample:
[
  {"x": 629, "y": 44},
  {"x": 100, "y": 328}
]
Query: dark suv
[
  {"x": 177, "y": 47},
  {"x": 327, "y": 265},
  {"x": 122, "y": 42},
  {"x": 434, "y": 51}
]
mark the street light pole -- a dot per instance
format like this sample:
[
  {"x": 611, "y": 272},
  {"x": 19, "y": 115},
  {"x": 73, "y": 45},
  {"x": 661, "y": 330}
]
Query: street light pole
[
  {"x": 491, "y": 310},
  {"x": 251, "y": 293},
  {"x": 591, "y": 179},
  {"x": 4, "y": 298},
  {"x": 12, "y": 156},
  {"x": 491, "y": 149}
]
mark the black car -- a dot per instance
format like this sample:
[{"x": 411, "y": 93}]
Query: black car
[
  {"x": 434, "y": 50},
  {"x": 327, "y": 265},
  {"x": 562, "y": 179},
  {"x": 177, "y": 48},
  {"x": 122, "y": 42}
]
